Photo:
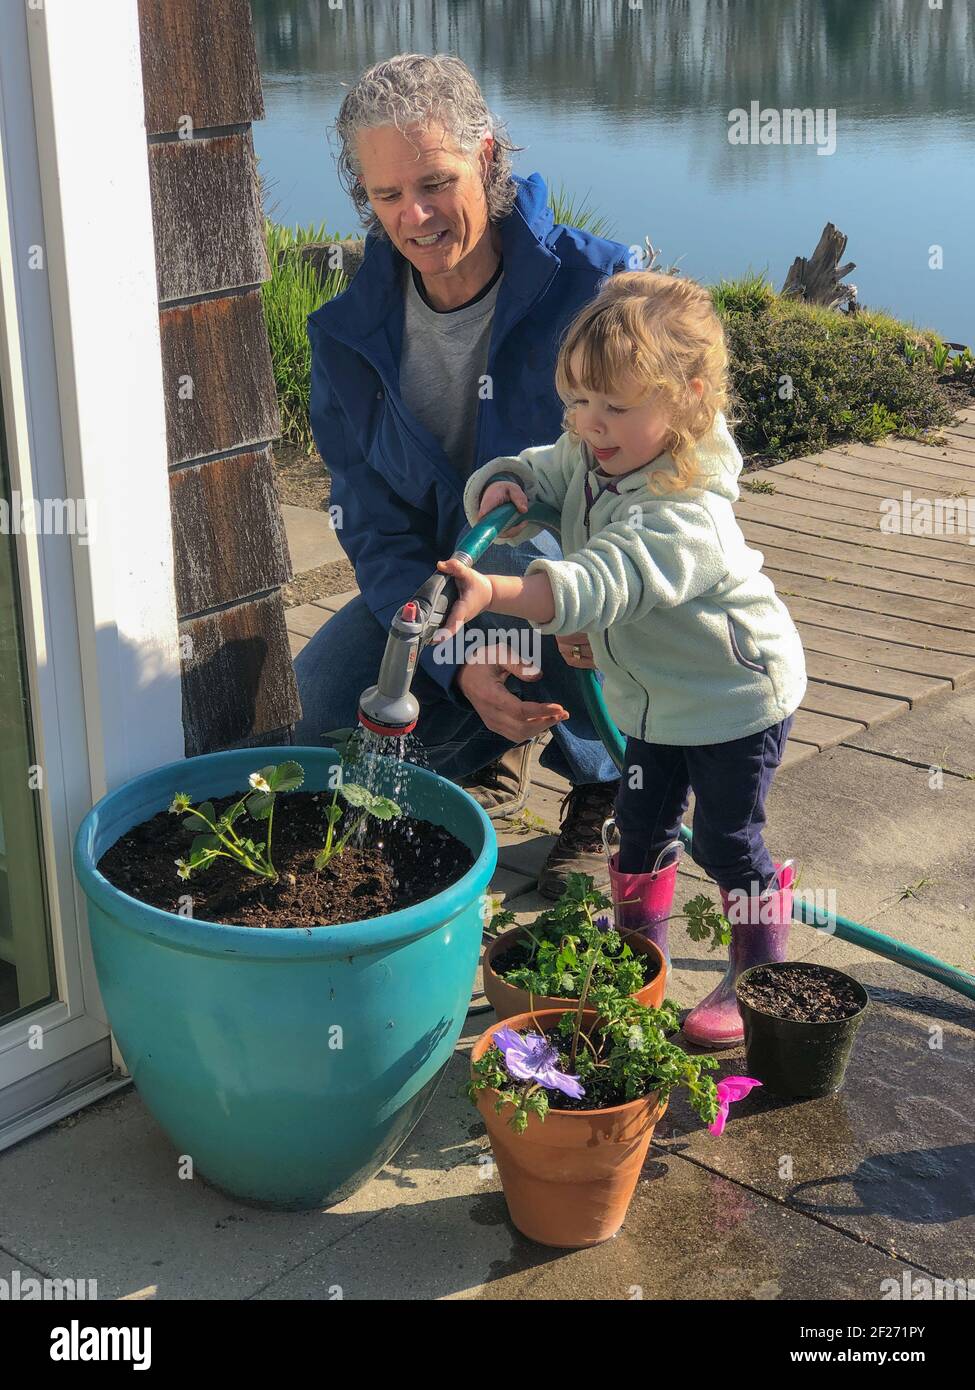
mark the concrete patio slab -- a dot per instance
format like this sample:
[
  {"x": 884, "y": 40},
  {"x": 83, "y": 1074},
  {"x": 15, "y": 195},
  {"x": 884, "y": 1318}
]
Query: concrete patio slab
[
  {"x": 101, "y": 1199},
  {"x": 889, "y": 1158},
  {"x": 312, "y": 539},
  {"x": 689, "y": 1234}
]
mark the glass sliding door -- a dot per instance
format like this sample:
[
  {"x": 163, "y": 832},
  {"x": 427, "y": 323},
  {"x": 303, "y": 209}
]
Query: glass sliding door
[
  {"x": 55, "y": 1046},
  {"x": 27, "y": 977}
]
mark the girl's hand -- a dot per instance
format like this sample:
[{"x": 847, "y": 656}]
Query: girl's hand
[
  {"x": 576, "y": 651},
  {"x": 476, "y": 593},
  {"x": 495, "y": 495}
]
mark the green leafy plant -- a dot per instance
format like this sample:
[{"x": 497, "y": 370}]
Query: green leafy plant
[
  {"x": 880, "y": 422},
  {"x": 567, "y": 211},
  {"x": 962, "y": 363},
  {"x": 705, "y": 921},
  {"x": 563, "y": 942},
  {"x": 568, "y": 943},
  {"x": 625, "y": 1054},
  {"x": 749, "y": 294},
  {"x": 939, "y": 356},
  {"x": 358, "y": 798},
  {"x": 220, "y": 840}
]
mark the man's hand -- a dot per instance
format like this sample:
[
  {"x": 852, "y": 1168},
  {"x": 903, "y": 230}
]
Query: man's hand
[
  {"x": 576, "y": 651},
  {"x": 483, "y": 683},
  {"x": 495, "y": 495}
]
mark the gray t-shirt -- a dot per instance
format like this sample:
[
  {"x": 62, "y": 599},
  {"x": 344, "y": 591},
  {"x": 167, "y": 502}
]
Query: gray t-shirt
[{"x": 444, "y": 356}]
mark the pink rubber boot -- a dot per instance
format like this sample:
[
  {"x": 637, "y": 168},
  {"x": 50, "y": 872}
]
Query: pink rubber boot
[
  {"x": 642, "y": 902},
  {"x": 759, "y": 933}
]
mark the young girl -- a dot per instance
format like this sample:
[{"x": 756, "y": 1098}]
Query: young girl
[{"x": 703, "y": 666}]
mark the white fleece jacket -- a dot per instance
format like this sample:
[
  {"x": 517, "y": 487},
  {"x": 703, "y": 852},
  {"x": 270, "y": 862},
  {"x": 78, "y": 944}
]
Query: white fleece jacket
[{"x": 694, "y": 643}]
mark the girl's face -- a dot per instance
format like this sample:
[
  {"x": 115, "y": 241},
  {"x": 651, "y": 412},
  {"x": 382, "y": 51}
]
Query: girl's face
[{"x": 622, "y": 430}]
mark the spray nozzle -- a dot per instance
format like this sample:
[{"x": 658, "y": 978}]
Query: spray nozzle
[{"x": 389, "y": 707}]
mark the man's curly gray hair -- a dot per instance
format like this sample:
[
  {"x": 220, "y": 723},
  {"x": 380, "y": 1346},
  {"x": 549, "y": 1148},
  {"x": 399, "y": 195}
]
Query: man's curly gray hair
[{"x": 413, "y": 89}]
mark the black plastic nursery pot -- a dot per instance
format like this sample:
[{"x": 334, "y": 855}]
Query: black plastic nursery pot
[{"x": 799, "y": 1060}]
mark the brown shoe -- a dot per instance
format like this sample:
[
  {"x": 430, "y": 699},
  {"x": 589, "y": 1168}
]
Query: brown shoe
[
  {"x": 579, "y": 848},
  {"x": 502, "y": 787}
]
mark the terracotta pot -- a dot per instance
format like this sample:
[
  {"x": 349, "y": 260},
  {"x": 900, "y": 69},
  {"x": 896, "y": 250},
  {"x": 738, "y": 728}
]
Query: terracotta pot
[
  {"x": 568, "y": 1179},
  {"x": 508, "y": 1000}
]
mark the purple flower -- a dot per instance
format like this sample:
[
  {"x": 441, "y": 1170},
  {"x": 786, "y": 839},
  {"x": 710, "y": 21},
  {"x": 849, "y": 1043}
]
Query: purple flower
[
  {"x": 529, "y": 1057},
  {"x": 732, "y": 1088}
]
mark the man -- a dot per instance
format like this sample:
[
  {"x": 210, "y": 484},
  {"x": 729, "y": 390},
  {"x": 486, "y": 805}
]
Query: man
[{"x": 438, "y": 357}]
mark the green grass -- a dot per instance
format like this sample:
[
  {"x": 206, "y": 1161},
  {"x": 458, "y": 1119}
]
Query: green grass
[
  {"x": 571, "y": 212},
  {"x": 292, "y": 293},
  {"x": 749, "y": 294}
]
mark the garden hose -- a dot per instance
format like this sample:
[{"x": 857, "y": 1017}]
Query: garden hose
[{"x": 476, "y": 540}]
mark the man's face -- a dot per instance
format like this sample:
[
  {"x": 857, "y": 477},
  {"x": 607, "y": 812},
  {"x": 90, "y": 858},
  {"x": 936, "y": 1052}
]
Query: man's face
[{"x": 428, "y": 196}]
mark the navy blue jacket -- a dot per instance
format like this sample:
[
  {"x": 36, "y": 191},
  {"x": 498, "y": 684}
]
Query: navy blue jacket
[{"x": 401, "y": 497}]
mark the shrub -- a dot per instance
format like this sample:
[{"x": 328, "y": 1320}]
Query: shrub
[{"x": 805, "y": 377}]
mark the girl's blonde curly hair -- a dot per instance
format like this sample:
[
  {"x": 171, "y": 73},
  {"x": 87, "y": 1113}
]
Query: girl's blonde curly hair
[{"x": 647, "y": 335}]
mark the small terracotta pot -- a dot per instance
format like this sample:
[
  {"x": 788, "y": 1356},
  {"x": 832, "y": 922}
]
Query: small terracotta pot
[
  {"x": 508, "y": 1000},
  {"x": 568, "y": 1179}
]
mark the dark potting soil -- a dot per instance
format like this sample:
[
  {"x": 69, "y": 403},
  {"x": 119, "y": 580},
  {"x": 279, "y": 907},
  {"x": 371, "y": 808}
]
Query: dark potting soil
[
  {"x": 518, "y": 955},
  {"x": 803, "y": 996},
  {"x": 400, "y": 863}
]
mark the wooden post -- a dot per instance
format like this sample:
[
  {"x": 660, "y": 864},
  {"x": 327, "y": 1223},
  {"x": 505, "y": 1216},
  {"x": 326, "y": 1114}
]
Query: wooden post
[{"x": 202, "y": 91}]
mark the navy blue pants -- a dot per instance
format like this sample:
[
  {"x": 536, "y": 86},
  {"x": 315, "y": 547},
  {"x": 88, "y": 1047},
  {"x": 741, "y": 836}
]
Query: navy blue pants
[{"x": 730, "y": 782}]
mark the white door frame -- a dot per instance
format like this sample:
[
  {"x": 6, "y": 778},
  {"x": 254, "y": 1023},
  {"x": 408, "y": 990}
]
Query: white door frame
[{"x": 81, "y": 376}]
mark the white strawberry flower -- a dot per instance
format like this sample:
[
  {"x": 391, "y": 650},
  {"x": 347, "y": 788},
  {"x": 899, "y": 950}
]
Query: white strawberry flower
[{"x": 259, "y": 783}]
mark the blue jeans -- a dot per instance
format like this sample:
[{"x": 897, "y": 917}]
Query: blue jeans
[
  {"x": 344, "y": 656},
  {"x": 730, "y": 782}
]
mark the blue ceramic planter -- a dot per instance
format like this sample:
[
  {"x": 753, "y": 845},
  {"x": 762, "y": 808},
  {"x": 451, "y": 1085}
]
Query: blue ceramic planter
[{"x": 290, "y": 1064}]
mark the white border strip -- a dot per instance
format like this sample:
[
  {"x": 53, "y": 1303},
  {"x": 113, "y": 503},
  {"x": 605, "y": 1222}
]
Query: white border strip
[{"x": 100, "y": 260}]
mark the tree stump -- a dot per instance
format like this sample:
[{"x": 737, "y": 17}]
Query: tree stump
[
  {"x": 818, "y": 280},
  {"x": 326, "y": 256}
]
